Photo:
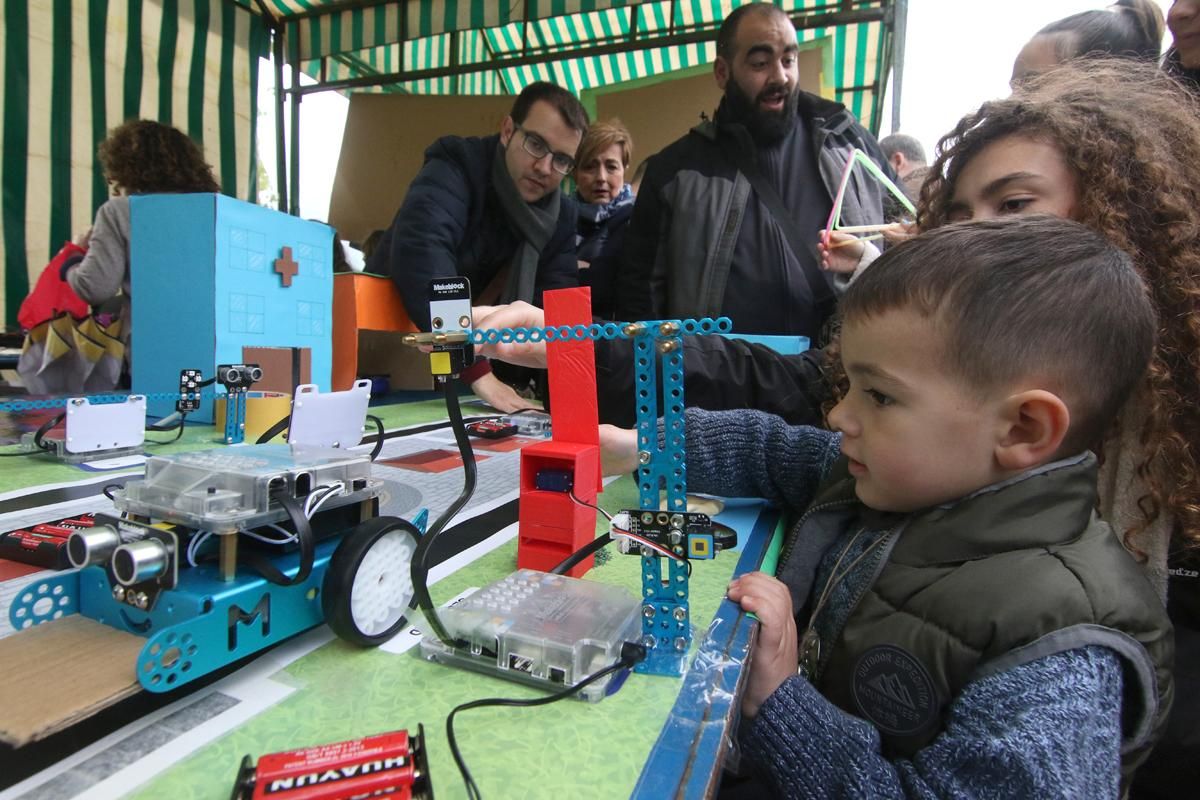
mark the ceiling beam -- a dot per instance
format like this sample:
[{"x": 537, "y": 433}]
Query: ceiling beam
[{"x": 563, "y": 52}]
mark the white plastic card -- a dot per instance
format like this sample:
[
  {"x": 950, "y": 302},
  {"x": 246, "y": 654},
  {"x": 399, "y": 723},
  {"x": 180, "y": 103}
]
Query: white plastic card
[
  {"x": 105, "y": 426},
  {"x": 332, "y": 419}
]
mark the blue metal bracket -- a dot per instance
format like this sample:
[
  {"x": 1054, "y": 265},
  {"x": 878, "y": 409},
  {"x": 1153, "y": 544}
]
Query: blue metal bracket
[
  {"x": 235, "y": 416},
  {"x": 666, "y": 627},
  {"x": 210, "y": 623},
  {"x": 658, "y": 357},
  {"x": 203, "y": 624},
  {"x": 45, "y": 600}
]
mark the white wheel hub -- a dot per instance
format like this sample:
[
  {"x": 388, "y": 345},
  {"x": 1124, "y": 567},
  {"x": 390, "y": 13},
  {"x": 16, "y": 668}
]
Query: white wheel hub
[{"x": 382, "y": 587}]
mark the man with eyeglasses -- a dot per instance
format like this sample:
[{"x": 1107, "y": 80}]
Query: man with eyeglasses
[{"x": 490, "y": 209}]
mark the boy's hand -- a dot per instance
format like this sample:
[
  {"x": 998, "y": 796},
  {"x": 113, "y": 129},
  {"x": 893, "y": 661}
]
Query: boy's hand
[
  {"x": 840, "y": 252},
  {"x": 618, "y": 450},
  {"x": 514, "y": 315},
  {"x": 775, "y": 655}
]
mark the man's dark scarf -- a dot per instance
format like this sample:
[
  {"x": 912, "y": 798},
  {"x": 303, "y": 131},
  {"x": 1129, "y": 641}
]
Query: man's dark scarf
[{"x": 534, "y": 225}]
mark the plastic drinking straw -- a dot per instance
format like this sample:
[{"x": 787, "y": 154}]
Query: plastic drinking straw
[{"x": 835, "y": 213}]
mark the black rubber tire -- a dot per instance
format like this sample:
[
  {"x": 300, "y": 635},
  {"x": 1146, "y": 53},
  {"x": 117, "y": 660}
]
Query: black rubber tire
[{"x": 337, "y": 592}]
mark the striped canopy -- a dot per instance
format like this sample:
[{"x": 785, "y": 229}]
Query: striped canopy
[
  {"x": 74, "y": 69},
  {"x": 453, "y": 46}
]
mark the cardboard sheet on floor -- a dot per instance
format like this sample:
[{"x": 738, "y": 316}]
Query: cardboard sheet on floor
[{"x": 94, "y": 665}]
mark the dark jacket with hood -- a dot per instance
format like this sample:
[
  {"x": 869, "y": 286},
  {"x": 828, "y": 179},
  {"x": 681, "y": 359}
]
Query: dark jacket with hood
[{"x": 681, "y": 242}]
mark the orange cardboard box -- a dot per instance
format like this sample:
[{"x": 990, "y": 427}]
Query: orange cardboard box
[{"x": 372, "y": 304}]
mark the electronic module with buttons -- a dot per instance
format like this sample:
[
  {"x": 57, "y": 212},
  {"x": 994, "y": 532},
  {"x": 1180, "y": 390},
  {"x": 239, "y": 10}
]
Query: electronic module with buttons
[{"x": 541, "y": 629}]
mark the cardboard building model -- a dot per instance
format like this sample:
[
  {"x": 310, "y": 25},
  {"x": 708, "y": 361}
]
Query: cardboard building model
[{"x": 215, "y": 280}]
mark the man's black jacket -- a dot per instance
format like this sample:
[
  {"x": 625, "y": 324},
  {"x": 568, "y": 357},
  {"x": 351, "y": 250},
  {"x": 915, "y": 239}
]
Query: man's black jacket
[{"x": 451, "y": 223}]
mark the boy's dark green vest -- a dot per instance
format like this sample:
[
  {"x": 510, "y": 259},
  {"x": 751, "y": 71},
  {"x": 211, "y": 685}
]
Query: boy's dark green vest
[{"x": 1015, "y": 572}]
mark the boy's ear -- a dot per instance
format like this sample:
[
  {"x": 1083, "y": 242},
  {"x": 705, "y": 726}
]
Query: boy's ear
[{"x": 1033, "y": 426}]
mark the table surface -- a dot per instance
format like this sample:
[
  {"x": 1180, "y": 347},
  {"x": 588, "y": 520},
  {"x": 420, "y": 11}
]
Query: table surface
[{"x": 645, "y": 740}]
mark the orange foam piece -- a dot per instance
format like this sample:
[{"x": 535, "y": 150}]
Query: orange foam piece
[{"x": 362, "y": 302}]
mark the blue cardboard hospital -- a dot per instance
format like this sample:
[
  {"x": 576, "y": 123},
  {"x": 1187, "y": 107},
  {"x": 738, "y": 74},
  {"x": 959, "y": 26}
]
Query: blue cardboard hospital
[{"x": 215, "y": 280}]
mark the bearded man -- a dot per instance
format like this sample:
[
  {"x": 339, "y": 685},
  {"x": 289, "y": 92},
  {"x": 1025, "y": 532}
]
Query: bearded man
[{"x": 727, "y": 218}]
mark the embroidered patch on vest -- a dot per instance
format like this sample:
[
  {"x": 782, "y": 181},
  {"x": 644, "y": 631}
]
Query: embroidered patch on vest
[{"x": 894, "y": 691}]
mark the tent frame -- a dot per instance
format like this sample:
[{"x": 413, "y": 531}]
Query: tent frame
[{"x": 890, "y": 13}]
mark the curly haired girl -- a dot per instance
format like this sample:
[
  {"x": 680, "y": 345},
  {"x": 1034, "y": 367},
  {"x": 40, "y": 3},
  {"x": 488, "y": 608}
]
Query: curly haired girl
[
  {"x": 1112, "y": 145},
  {"x": 147, "y": 157},
  {"x": 139, "y": 157}
]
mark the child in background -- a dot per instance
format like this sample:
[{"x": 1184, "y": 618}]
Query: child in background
[
  {"x": 960, "y": 635},
  {"x": 139, "y": 157}
]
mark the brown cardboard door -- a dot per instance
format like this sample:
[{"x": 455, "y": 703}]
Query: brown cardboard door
[{"x": 284, "y": 368}]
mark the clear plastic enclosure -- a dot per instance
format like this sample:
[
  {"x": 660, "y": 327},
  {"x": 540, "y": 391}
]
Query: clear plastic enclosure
[{"x": 227, "y": 489}]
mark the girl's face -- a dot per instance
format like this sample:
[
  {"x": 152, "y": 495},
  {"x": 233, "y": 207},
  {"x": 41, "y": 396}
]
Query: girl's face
[
  {"x": 601, "y": 178},
  {"x": 1014, "y": 175},
  {"x": 1184, "y": 21}
]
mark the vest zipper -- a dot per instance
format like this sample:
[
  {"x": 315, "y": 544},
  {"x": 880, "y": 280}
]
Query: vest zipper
[
  {"x": 885, "y": 552},
  {"x": 790, "y": 544}
]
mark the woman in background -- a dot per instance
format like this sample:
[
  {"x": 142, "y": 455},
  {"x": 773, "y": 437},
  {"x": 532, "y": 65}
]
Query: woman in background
[{"x": 605, "y": 206}]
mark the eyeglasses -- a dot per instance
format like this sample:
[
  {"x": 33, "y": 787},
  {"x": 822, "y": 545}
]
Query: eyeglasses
[{"x": 536, "y": 146}]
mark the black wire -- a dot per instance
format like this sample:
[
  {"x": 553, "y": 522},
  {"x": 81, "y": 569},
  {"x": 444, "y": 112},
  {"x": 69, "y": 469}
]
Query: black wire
[
  {"x": 304, "y": 533},
  {"x": 276, "y": 429},
  {"x": 107, "y": 490},
  {"x": 582, "y": 553},
  {"x": 420, "y": 569},
  {"x": 158, "y": 426},
  {"x": 178, "y": 432},
  {"x": 375, "y": 451},
  {"x": 433, "y": 426},
  {"x": 42, "y": 431},
  {"x": 672, "y": 556},
  {"x": 630, "y": 655},
  {"x": 39, "y": 435},
  {"x": 529, "y": 410}
]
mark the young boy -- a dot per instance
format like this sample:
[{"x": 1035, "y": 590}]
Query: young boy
[{"x": 950, "y": 616}]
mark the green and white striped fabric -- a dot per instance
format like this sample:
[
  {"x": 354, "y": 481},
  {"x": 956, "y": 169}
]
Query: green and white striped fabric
[
  {"x": 363, "y": 41},
  {"x": 75, "y": 69}
]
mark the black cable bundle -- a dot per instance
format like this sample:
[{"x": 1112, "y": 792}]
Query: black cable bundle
[
  {"x": 631, "y": 654},
  {"x": 420, "y": 567}
]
